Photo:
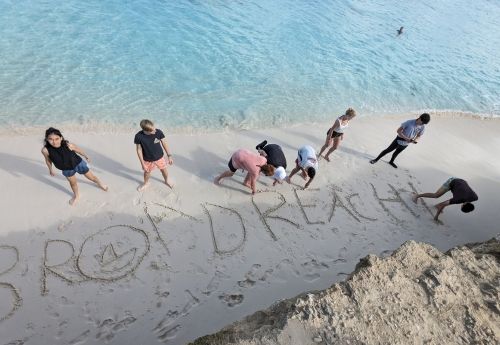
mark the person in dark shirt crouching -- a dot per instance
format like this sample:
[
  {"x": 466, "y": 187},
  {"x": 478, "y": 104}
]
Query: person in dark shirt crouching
[{"x": 462, "y": 194}]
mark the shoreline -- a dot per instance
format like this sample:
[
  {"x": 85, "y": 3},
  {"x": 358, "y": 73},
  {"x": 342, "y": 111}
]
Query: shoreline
[
  {"x": 106, "y": 127},
  {"x": 154, "y": 266}
]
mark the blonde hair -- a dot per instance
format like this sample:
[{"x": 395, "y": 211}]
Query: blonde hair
[
  {"x": 268, "y": 169},
  {"x": 146, "y": 124},
  {"x": 350, "y": 112}
]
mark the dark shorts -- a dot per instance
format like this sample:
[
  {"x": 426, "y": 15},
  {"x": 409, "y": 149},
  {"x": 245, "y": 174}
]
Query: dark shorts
[
  {"x": 81, "y": 168},
  {"x": 231, "y": 166},
  {"x": 335, "y": 134}
]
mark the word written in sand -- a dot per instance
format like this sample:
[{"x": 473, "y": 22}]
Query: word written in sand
[
  {"x": 121, "y": 249},
  {"x": 117, "y": 251},
  {"x": 15, "y": 297}
]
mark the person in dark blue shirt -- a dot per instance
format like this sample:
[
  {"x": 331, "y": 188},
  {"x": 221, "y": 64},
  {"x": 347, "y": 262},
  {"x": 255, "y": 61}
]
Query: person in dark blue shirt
[{"x": 462, "y": 194}]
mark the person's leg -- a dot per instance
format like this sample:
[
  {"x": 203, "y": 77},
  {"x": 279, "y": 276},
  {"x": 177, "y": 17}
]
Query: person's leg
[
  {"x": 328, "y": 142},
  {"x": 147, "y": 175},
  {"x": 435, "y": 195},
  {"x": 398, "y": 150},
  {"x": 164, "y": 172},
  {"x": 227, "y": 173},
  {"x": 261, "y": 145},
  {"x": 246, "y": 182},
  {"x": 94, "y": 179},
  {"x": 390, "y": 148},
  {"x": 336, "y": 144},
  {"x": 74, "y": 188}
]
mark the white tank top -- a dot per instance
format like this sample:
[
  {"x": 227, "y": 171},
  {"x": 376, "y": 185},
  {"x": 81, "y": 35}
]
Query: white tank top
[{"x": 341, "y": 127}]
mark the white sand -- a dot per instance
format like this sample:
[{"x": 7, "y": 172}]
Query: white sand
[{"x": 105, "y": 271}]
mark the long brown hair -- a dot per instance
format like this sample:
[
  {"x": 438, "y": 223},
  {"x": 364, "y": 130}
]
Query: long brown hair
[{"x": 268, "y": 169}]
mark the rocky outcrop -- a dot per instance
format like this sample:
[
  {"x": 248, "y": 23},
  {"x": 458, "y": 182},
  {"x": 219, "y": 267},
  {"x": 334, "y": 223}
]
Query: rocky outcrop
[{"x": 418, "y": 295}]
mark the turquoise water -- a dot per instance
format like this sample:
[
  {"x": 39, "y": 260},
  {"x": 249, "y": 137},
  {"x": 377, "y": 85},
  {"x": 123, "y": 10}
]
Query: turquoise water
[{"x": 243, "y": 63}]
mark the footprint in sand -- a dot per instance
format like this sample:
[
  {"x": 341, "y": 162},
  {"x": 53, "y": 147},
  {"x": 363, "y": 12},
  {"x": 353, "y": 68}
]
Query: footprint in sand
[
  {"x": 165, "y": 330},
  {"x": 232, "y": 299},
  {"x": 312, "y": 266}
]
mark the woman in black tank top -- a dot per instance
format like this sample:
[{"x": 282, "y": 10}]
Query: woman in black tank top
[{"x": 65, "y": 157}]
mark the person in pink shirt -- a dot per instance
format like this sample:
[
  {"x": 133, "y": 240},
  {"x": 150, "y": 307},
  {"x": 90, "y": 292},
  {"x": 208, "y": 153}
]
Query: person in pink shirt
[{"x": 250, "y": 162}]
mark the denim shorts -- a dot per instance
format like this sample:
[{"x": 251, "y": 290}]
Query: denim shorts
[
  {"x": 446, "y": 185},
  {"x": 81, "y": 168}
]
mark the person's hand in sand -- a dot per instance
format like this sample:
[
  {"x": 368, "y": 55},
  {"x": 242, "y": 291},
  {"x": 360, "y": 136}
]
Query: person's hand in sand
[{"x": 66, "y": 157}]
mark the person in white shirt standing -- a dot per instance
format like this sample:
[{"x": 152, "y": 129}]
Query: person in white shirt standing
[{"x": 336, "y": 133}]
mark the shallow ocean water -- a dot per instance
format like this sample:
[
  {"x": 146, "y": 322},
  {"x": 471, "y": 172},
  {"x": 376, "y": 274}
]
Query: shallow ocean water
[{"x": 243, "y": 63}]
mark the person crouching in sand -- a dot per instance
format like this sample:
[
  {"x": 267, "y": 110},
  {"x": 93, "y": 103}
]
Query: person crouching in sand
[
  {"x": 150, "y": 143},
  {"x": 462, "y": 194},
  {"x": 274, "y": 156},
  {"x": 307, "y": 162},
  {"x": 252, "y": 163},
  {"x": 66, "y": 157},
  {"x": 336, "y": 133}
]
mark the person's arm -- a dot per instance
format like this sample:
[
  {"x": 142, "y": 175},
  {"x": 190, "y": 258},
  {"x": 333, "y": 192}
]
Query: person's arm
[
  {"x": 78, "y": 150},
  {"x": 167, "y": 151},
  {"x": 293, "y": 172},
  {"x": 415, "y": 140},
  {"x": 45, "y": 154},
  {"x": 138, "y": 149},
  {"x": 402, "y": 135},
  {"x": 440, "y": 208},
  {"x": 308, "y": 182}
]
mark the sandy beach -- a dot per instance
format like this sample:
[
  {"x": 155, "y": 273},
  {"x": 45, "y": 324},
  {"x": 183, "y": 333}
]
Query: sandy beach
[{"x": 127, "y": 267}]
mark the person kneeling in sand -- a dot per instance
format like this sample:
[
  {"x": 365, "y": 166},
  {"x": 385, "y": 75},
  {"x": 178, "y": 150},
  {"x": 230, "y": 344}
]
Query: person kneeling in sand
[
  {"x": 274, "y": 156},
  {"x": 65, "y": 157},
  {"x": 252, "y": 163},
  {"x": 150, "y": 143},
  {"x": 335, "y": 134},
  {"x": 462, "y": 194},
  {"x": 307, "y": 162}
]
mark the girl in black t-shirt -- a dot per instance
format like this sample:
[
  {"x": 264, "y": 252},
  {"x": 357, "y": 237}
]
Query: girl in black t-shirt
[{"x": 65, "y": 156}]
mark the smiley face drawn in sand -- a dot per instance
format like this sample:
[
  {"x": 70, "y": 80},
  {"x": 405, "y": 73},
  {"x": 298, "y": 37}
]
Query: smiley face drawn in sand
[{"x": 112, "y": 253}]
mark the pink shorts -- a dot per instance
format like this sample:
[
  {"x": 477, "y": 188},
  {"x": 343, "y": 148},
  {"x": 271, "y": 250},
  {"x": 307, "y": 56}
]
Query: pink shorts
[{"x": 160, "y": 163}]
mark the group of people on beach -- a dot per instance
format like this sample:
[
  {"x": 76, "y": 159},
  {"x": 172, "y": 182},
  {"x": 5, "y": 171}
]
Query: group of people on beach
[{"x": 269, "y": 159}]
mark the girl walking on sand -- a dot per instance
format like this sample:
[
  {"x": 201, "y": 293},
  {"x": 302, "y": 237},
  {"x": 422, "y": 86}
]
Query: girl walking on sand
[
  {"x": 336, "y": 133},
  {"x": 66, "y": 157}
]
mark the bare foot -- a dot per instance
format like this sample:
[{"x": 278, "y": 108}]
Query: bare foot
[
  {"x": 73, "y": 200},
  {"x": 142, "y": 187},
  {"x": 287, "y": 179},
  {"x": 169, "y": 184},
  {"x": 103, "y": 187},
  {"x": 304, "y": 175},
  {"x": 414, "y": 197},
  {"x": 217, "y": 180},
  {"x": 327, "y": 158}
]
